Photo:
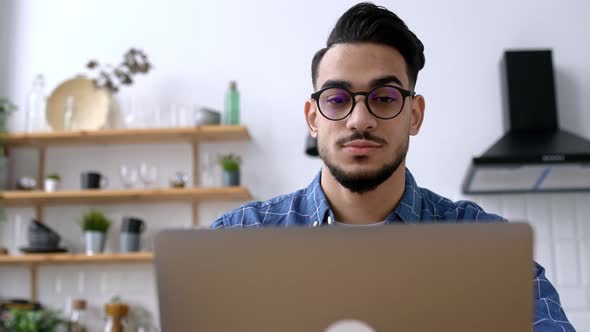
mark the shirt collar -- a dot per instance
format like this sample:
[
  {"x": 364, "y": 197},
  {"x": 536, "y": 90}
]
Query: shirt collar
[
  {"x": 410, "y": 205},
  {"x": 317, "y": 203},
  {"x": 407, "y": 210}
]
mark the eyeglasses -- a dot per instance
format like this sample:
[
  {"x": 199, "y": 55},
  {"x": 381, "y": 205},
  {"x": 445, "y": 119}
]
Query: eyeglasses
[{"x": 384, "y": 102}]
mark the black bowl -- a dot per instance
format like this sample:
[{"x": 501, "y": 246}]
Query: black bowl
[{"x": 41, "y": 236}]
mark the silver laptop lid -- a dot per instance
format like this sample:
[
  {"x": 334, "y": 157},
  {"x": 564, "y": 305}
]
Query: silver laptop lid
[{"x": 451, "y": 277}]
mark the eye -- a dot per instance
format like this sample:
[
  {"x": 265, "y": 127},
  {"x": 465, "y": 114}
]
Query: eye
[
  {"x": 337, "y": 99},
  {"x": 385, "y": 95},
  {"x": 384, "y": 99}
]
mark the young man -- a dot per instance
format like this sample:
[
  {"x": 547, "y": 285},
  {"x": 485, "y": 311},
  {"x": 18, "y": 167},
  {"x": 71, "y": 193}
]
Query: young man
[{"x": 362, "y": 113}]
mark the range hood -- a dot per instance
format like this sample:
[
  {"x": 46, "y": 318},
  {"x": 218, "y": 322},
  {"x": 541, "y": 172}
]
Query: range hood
[{"x": 535, "y": 155}]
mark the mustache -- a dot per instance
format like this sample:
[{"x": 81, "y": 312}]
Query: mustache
[{"x": 361, "y": 136}]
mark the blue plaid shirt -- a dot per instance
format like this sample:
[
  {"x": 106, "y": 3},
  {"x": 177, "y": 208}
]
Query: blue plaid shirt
[{"x": 309, "y": 207}]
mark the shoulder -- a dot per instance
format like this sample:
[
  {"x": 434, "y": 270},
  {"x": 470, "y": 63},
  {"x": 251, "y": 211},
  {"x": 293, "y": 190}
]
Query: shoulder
[
  {"x": 285, "y": 209},
  {"x": 439, "y": 208}
]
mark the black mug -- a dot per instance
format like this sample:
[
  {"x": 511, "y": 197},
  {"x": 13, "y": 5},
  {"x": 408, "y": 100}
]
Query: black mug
[
  {"x": 93, "y": 180},
  {"x": 132, "y": 225},
  {"x": 130, "y": 237}
]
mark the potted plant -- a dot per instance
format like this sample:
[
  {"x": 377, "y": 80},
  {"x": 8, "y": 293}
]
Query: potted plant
[
  {"x": 6, "y": 107},
  {"x": 52, "y": 182},
  {"x": 231, "y": 169},
  {"x": 23, "y": 320},
  {"x": 95, "y": 226}
]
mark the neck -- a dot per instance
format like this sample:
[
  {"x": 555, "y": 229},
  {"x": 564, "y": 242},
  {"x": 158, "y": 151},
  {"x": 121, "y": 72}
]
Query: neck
[{"x": 367, "y": 208}]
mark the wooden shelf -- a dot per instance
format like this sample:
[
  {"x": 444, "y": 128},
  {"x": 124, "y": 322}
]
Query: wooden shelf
[
  {"x": 67, "y": 258},
  {"x": 23, "y": 198},
  {"x": 127, "y": 136},
  {"x": 39, "y": 199}
]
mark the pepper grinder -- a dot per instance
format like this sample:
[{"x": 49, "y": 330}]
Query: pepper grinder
[{"x": 115, "y": 312}]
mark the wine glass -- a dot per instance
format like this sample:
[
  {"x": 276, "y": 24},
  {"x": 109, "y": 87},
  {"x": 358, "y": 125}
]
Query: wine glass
[
  {"x": 208, "y": 175},
  {"x": 128, "y": 175},
  {"x": 155, "y": 116},
  {"x": 129, "y": 113},
  {"x": 148, "y": 174}
]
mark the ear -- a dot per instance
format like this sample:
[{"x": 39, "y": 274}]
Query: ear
[
  {"x": 311, "y": 117},
  {"x": 417, "y": 114}
]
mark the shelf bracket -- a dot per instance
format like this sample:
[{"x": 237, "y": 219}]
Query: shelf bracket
[
  {"x": 34, "y": 284},
  {"x": 40, "y": 181},
  {"x": 196, "y": 176}
]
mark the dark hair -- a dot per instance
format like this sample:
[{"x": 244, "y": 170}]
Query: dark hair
[{"x": 366, "y": 22}]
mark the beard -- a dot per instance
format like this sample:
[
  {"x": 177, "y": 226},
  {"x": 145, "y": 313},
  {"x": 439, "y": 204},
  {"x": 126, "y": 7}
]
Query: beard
[{"x": 364, "y": 181}]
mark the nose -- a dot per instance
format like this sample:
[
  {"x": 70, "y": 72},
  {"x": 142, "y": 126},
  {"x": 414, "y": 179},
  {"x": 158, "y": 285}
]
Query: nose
[{"x": 361, "y": 119}]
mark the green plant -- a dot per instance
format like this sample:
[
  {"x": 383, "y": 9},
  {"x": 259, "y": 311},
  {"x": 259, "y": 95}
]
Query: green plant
[
  {"x": 230, "y": 162},
  {"x": 54, "y": 176},
  {"x": 22, "y": 320},
  {"x": 7, "y": 106},
  {"x": 95, "y": 221}
]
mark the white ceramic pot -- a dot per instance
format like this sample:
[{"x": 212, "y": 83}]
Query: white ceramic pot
[{"x": 51, "y": 185}]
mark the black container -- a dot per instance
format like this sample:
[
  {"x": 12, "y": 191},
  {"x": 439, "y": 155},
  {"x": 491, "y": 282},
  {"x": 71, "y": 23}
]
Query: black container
[
  {"x": 132, "y": 225},
  {"x": 92, "y": 180}
]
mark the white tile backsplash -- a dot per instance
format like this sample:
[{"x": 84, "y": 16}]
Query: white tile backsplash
[
  {"x": 583, "y": 215},
  {"x": 518, "y": 208},
  {"x": 14, "y": 281},
  {"x": 562, "y": 243},
  {"x": 585, "y": 262},
  {"x": 580, "y": 320},
  {"x": 563, "y": 217},
  {"x": 544, "y": 256},
  {"x": 567, "y": 263},
  {"x": 574, "y": 298}
]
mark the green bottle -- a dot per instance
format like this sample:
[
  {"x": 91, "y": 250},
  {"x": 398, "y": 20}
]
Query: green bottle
[{"x": 232, "y": 104}]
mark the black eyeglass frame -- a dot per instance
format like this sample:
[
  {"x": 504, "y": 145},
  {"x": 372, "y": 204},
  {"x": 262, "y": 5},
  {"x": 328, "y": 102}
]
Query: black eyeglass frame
[{"x": 405, "y": 93}]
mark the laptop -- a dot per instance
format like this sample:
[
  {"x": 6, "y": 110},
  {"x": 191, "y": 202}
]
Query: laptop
[{"x": 430, "y": 277}]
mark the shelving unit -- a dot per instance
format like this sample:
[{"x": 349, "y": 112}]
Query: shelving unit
[
  {"x": 40, "y": 199},
  {"x": 106, "y": 258},
  {"x": 25, "y": 198},
  {"x": 128, "y": 136}
]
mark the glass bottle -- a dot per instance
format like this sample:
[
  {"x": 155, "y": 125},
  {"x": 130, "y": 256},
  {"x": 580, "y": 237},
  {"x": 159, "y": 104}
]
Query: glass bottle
[
  {"x": 19, "y": 235},
  {"x": 78, "y": 319},
  {"x": 35, "y": 107},
  {"x": 232, "y": 104}
]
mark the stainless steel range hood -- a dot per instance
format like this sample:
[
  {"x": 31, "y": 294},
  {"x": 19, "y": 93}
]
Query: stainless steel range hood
[{"x": 535, "y": 155}]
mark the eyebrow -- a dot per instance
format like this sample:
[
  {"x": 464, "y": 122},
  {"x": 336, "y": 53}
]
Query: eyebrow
[{"x": 375, "y": 82}]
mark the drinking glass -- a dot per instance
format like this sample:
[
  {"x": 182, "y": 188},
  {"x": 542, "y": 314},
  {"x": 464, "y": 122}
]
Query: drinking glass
[
  {"x": 148, "y": 174},
  {"x": 129, "y": 176}
]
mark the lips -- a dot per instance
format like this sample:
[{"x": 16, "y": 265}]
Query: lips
[{"x": 360, "y": 146}]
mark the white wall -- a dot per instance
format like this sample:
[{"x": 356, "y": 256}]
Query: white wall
[
  {"x": 7, "y": 28},
  {"x": 198, "y": 46}
]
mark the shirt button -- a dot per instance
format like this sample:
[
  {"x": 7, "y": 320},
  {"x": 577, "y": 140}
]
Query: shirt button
[
  {"x": 315, "y": 224},
  {"x": 330, "y": 221}
]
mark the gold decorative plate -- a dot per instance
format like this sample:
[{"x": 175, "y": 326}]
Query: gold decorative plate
[{"x": 91, "y": 105}]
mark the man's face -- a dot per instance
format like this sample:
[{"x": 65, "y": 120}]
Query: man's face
[{"x": 362, "y": 151}]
